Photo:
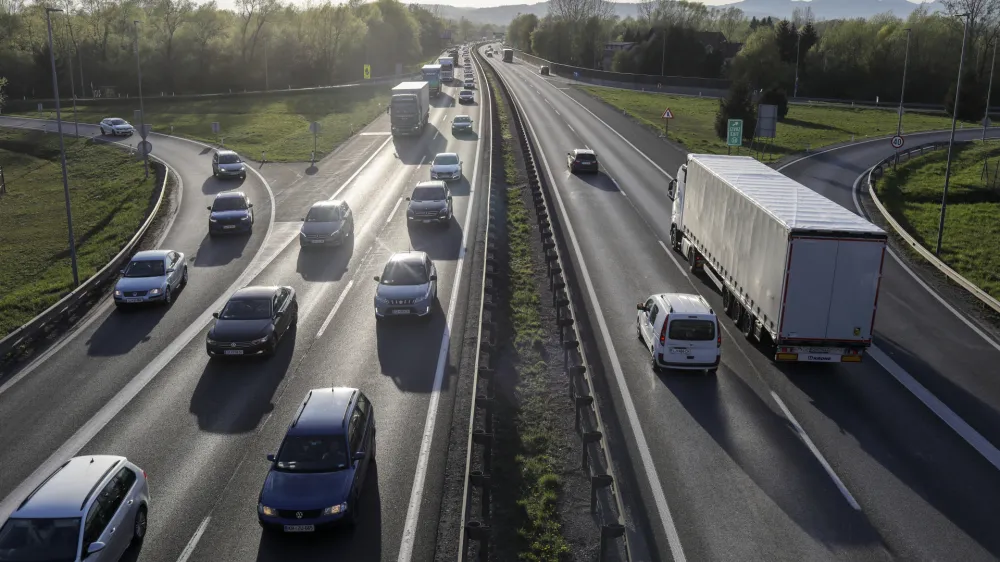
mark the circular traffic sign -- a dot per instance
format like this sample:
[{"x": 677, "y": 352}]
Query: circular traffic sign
[
  {"x": 145, "y": 147},
  {"x": 897, "y": 141}
]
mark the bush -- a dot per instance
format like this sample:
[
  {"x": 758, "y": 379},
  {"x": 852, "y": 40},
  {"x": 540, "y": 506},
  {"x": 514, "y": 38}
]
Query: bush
[
  {"x": 776, "y": 96},
  {"x": 738, "y": 104}
]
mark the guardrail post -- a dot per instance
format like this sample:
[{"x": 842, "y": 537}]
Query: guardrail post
[
  {"x": 476, "y": 531},
  {"x": 598, "y": 482},
  {"x": 588, "y": 438},
  {"x": 483, "y": 482},
  {"x": 609, "y": 533},
  {"x": 575, "y": 373},
  {"x": 484, "y": 440},
  {"x": 581, "y": 403}
]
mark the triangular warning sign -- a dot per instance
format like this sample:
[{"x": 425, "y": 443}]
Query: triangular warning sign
[{"x": 667, "y": 114}]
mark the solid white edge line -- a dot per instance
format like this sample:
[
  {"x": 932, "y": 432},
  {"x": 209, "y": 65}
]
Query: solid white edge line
[
  {"x": 408, "y": 538},
  {"x": 189, "y": 549},
  {"x": 646, "y": 459},
  {"x": 336, "y": 306},
  {"x": 392, "y": 213},
  {"x": 815, "y": 451}
]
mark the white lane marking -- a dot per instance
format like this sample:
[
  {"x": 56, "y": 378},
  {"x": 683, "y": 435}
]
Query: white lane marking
[
  {"x": 819, "y": 456},
  {"x": 357, "y": 172},
  {"x": 124, "y": 396},
  {"x": 557, "y": 112},
  {"x": 958, "y": 314},
  {"x": 645, "y": 457},
  {"x": 393, "y": 211},
  {"x": 670, "y": 254},
  {"x": 417, "y": 492},
  {"x": 571, "y": 128},
  {"x": 336, "y": 306},
  {"x": 374, "y": 134},
  {"x": 436, "y": 133},
  {"x": 940, "y": 409},
  {"x": 189, "y": 549}
]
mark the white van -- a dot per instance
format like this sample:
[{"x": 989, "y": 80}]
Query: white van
[{"x": 680, "y": 331}]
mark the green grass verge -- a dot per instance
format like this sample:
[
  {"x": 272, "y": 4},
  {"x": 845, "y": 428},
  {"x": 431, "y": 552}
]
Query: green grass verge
[
  {"x": 275, "y": 123},
  {"x": 805, "y": 126},
  {"x": 539, "y": 530},
  {"x": 110, "y": 198},
  {"x": 971, "y": 241}
]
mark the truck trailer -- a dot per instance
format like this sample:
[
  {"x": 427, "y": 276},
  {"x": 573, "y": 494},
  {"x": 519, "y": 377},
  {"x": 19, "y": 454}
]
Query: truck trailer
[
  {"x": 508, "y": 55},
  {"x": 798, "y": 271},
  {"x": 409, "y": 108},
  {"x": 431, "y": 74},
  {"x": 447, "y": 69}
]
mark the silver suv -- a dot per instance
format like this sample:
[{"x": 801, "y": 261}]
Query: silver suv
[
  {"x": 429, "y": 202},
  {"x": 91, "y": 508},
  {"x": 407, "y": 286}
]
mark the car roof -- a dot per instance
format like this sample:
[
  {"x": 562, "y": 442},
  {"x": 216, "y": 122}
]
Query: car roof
[
  {"x": 463, "y": 92},
  {"x": 254, "y": 292},
  {"x": 584, "y": 151},
  {"x": 455, "y": 154},
  {"x": 413, "y": 256},
  {"x": 226, "y": 152},
  {"x": 323, "y": 411},
  {"x": 457, "y": 117},
  {"x": 229, "y": 195},
  {"x": 68, "y": 489},
  {"x": 150, "y": 254},
  {"x": 682, "y": 303},
  {"x": 431, "y": 183},
  {"x": 326, "y": 203}
]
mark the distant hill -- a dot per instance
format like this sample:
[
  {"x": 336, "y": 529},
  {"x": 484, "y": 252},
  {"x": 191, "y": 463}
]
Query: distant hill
[{"x": 822, "y": 9}]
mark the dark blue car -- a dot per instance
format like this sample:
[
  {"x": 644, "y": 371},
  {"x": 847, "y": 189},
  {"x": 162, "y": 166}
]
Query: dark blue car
[
  {"x": 232, "y": 211},
  {"x": 316, "y": 478}
]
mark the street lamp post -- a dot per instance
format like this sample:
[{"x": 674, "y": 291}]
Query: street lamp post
[
  {"x": 62, "y": 148},
  {"x": 142, "y": 110},
  {"x": 902, "y": 88},
  {"x": 72, "y": 92},
  {"x": 951, "y": 142},
  {"x": 989, "y": 91},
  {"x": 266, "y": 80},
  {"x": 798, "y": 49}
]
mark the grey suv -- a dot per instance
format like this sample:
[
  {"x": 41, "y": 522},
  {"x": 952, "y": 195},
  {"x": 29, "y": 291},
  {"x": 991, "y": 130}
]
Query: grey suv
[
  {"x": 407, "y": 287},
  {"x": 91, "y": 508},
  {"x": 430, "y": 202}
]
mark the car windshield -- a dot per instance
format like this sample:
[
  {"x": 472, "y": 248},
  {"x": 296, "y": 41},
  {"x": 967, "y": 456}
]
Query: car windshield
[
  {"x": 40, "y": 540},
  {"x": 465, "y": 93},
  {"x": 145, "y": 268},
  {"x": 404, "y": 107},
  {"x": 404, "y": 272},
  {"x": 116, "y": 121},
  {"x": 247, "y": 309},
  {"x": 428, "y": 193},
  {"x": 229, "y": 159},
  {"x": 446, "y": 160},
  {"x": 463, "y": 119},
  {"x": 586, "y": 157},
  {"x": 323, "y": 214},
  {"x": 229, "y": 204},
  {"x": 312, "y": 453},
  {"x": 691, "y": 330}
]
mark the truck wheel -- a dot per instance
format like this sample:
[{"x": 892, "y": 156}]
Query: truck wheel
[
  {"x": 747, "y": 324},
  {"x": 693, "y": 260},
  {"x": 727, "y": 301},
  {"x": 675, "y": 239}
]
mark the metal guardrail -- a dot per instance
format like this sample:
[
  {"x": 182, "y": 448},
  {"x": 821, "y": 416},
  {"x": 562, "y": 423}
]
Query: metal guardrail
[
  {"x": 876, "y": 172},
  {"x": 605, "y": 497},
  {"x": 38, "y": 325}
]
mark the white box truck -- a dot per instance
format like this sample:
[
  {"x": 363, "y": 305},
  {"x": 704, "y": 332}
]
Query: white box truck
[
  {"x": 447, "y": 69},
  {"x": 798, "y": 271},
  {"x": 409, "y": 108}
]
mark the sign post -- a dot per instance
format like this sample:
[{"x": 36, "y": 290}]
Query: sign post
[
  {"x": 667, "y": 116},
  {"x": 314, "y": 129},
  {"x": 216, "y": 129},
  {"x": 734, "y": 134}
]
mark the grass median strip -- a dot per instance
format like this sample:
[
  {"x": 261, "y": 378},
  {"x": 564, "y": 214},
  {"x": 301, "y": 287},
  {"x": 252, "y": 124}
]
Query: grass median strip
[
  {"x": 528, "y": 441},
  {"x": 110, "y": 200},
  {"x": 805, "y": 127},
  {"x": 275, "y": 123},
  {"x": 971, "y": 241}
]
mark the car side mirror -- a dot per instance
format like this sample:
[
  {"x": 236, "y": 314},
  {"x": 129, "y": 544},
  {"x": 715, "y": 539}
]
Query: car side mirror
[
  {"x": 215, "y": 315},
  {"x": 122, "y": 271},
  {"x": 209, "y": 207},
  {"x": 95, "y": 547},
  {"x": 407, "y": 198},
  {"x": 359, "y": 456},
  {"x": 434, "y": 277},
  {"x": 449, "y": 198},
  {"x": 250, "y": 206},
  {"x": 270, "y": 457},
  {"x": 279, "y": 314},
  {"x": 171, "y": 270},
  {"x": 672, "y": 189},
  {"x": 377, "y": 279},
  {"x": 640, "y": 306}
]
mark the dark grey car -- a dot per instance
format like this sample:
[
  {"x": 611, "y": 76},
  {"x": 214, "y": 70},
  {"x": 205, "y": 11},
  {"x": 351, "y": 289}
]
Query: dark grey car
[
  {"x": 228, "y": 164},
  {"x": 429, "y": 203},
  {"x": 328, "y": 223}
]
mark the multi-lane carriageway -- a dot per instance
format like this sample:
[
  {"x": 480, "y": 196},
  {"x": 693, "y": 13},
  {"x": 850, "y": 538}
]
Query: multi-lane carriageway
[
  {"x": 140, "y": 384},
  {"x": 768, "y": 462}
]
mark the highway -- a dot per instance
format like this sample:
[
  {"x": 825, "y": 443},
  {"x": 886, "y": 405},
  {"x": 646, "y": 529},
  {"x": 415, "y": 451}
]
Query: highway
[
  {"x": 768, "y": 462},
  {"x": 140, "y": 384}
]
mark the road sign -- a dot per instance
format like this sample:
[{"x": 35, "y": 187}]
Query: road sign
[
  {"x": 368, "y": 72},
  {"x": 667, "y": 114},
  {"x": 145, "y": 147},
  {"x": 215, "y": 127},
  {"x": 144, "y": 130},
  {"x": 897, "y": 141},
  {"x": 767, "y": 121},
  {"x": 39, "y": 108},
  {"x": 136, "y": 116},
  {"x": 314, "y": 127},
  {"x": 734, "y": 136}
]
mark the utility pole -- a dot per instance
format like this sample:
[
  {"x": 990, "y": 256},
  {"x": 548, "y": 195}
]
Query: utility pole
[
  {"x": 902, "y": 89},
  {"x": 663, "y": 59},
  {"x": 951, "y": 142},
  {"x": 142, "y": 110},
  {"x": 62, "y": 148},
  {"x": 989, "y": 91},
  {"x": 266, "y": 81},
  {"x": 798, "y": 49},
  {"x": 72, "y": 88}
]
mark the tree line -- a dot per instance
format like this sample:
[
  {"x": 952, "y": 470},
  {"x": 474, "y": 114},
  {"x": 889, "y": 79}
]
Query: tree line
[{"x": 188, "y": 48}]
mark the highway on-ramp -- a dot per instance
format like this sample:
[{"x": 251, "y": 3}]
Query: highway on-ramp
[
  {"x": 766, "y": 461},
  {"x": 141, "y": 384}
]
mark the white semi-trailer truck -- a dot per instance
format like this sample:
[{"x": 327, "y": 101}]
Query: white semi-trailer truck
[
  {"x": 409, "y": 108},
  {"x": 798, "y": 271}
]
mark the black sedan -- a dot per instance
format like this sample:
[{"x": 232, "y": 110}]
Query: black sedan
[
  {"x": 253, "y": 322},
  {"x": 582, "y": 160}
]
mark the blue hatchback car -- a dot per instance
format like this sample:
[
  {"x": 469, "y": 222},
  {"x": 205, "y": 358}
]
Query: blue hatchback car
[{"x": 317, "y": 475}]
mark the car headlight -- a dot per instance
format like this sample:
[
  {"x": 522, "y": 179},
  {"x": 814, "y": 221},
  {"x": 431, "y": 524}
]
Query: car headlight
[
  {"x": 118, "y": 293},
  {"x": 154, "y": 292},
  {"x": 261, "y": 340},
  {"x": 212, "y": 220},
  {"x": 381, "y": 300},
  {"x": 335, "y": 509},
  {"x": 443, "y": 211},
  {"x": 269, "y": 511},
  {"x": 210, "y": 341},
  {"x": 246, "y": 218}
]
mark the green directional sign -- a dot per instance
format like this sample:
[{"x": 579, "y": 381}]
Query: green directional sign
[{"x": 734, "y": 137}]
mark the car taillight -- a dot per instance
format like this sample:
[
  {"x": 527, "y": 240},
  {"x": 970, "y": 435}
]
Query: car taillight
[
  {"x": 663, "y": 331},
  {"x": 144, "y": 477},
  {"x": 718, "y": 340}
]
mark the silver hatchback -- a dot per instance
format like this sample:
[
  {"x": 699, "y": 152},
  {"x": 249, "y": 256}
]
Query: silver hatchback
[{"x": 92, "y": 508}]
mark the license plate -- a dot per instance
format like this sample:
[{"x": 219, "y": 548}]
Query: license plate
[
  {"x": 229, "y": 226},
  {"x": 133, "y": 300},
  {"x": 819, "y": 350},
  {"x": 427, "y": 221},
  {"x": 299, "y": 528},
  {"x": 317, "y": 241},
  {"x": 678, "y": 350},
  {"x": 233, "y": 352},
  {"x": 401, "y": 311}
]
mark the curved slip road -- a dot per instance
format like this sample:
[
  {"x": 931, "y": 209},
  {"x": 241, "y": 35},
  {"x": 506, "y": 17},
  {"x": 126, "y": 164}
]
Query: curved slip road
[
  {"x": 201, "y": 429},
  {"x": 765, "y": 462}
]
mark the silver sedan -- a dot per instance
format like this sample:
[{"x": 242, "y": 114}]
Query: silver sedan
[{"x": 153, "y": 276}]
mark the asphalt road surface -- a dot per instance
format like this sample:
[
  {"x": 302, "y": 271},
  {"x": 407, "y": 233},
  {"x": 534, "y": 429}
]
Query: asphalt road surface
[
  {"x": 140, "y": 383},
  {"x": 769, "y": 462}
]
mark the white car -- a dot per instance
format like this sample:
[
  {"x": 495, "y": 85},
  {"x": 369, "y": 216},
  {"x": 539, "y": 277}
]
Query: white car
[
  {"x": 117, "y": 127},
  {"x": 470, "y": 84},
  {"x": 680, "y": 331},
  {"x": 446, "y": 166}
]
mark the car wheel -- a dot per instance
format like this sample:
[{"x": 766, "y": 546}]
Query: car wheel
[
  {"x": 243, "y": 176},
  {"x": 139, "y": 526},
  {"x": 184, "y": 278},
  {"x": 353, "y": 515},
  {"x": 374, "y": 447},
  {"x": 272, "y": 348},
  {"x": 652, "y": 361},
  {"x": 168, "y": 297},
  {"x": 638, "y": 330}
]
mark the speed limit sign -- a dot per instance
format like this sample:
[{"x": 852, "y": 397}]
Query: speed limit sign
[{"x": 897, "y": 141}]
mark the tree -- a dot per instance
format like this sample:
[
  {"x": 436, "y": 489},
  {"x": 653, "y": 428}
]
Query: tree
[
  {"x": 738, "y": 104},
  {"x": 787, "y": 38},
  {"x": 465, "y": 29},
  {"x": 776, "y": 96},
  {"x": 166, "y": 17},
  {"x": 3, "y": 91},
  {"x": 520, "y": 29},
  {"x": 972, "y": 100}
]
